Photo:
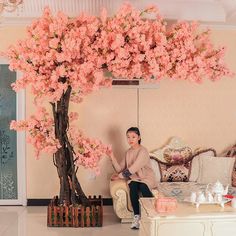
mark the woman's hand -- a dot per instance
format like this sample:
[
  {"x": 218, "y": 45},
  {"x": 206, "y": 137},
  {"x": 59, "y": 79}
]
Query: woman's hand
[
  {"x": 121, "y": 176},
  {"x": 115, "y": 177}
]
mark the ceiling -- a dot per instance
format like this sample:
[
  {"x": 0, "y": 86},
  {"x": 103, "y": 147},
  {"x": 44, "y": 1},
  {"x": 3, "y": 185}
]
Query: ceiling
[{"x": 212, "y": 12}]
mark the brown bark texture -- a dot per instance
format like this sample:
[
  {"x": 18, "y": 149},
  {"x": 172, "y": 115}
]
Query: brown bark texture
[{"x": 70, "y": 188}]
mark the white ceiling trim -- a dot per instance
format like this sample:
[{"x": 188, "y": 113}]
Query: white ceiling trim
[{"x": 219, "y": 12}]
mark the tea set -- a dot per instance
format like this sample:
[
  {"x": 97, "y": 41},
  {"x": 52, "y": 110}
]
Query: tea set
[{"x": 214, "y": 194}]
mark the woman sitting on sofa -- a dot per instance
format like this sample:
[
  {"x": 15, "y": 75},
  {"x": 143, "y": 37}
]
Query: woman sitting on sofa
[{"x": 136, "y": 168}]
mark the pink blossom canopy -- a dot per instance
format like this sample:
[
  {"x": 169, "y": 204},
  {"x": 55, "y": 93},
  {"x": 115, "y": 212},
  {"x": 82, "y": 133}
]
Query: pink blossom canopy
[{"x": 84, "y": 52}]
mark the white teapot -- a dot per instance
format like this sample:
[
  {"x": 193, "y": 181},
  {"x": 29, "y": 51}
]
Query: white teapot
[{"x": 218, "y": 188}]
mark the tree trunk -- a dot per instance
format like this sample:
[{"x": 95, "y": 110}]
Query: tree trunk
[{"x": 70, "y": 188}]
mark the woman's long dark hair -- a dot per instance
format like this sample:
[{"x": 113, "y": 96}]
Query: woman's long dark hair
[{"x": 135, "y": 130}]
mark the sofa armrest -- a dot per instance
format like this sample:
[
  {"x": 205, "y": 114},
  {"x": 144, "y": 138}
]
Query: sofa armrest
[{"x": 121, "y": 201}]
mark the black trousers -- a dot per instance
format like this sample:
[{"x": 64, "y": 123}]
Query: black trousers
[{"x": 135, "y": 189}]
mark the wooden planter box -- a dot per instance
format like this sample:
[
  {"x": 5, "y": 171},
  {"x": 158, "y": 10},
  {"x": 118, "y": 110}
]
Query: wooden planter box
[{"x": 76, "y": 216}]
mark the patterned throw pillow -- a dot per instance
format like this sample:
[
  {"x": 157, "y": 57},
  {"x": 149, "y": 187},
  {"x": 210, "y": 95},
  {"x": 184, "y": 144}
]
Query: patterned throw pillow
[
  {"x": 177, "y": 156},
  {"x": 175, "y": 164},
  {"x": 175, "y": 173},
  {"x": 232, "y": 153}
]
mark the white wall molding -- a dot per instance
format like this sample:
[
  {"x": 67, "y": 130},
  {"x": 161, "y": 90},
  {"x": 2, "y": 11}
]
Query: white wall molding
[
  {"x": 23, "y": 22},
  {"x": 222, "y": 12}
]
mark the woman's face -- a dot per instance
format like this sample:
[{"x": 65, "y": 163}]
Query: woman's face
[{"x": 133, "y": 139}]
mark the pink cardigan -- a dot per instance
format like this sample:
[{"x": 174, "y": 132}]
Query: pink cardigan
[{"x": 139, "y": 164}]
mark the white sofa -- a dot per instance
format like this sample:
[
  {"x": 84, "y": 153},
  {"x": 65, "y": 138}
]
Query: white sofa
[{"x": 120, "y": 193}]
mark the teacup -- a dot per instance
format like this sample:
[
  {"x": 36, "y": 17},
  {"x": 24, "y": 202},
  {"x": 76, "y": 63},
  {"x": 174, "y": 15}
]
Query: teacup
[
  {"x": 210, "y": 197},
  {"x": 193, "y": 197},
  {"x": 201, "y": 197}
]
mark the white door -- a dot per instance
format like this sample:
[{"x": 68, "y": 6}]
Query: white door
[{"x": 12, "y": 144}]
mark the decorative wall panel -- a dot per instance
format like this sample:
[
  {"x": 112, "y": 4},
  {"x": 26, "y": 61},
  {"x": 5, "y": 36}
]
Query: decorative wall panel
[{"x": 8, "y": 153}]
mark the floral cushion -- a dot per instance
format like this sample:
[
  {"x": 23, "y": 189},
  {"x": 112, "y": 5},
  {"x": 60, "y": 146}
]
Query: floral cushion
[
  {"x": 177, "y": 156},
  {"x": 184, "y": 168},
  {"x": 175, "y": 173},
  {"x": 174, "y": 160}
]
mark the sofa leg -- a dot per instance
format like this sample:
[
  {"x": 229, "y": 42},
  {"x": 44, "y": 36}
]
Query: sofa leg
[{"x": 120, "y": 203}]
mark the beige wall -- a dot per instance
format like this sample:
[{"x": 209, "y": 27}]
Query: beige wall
[
  {"x": 10, "y": 35},
  {"x": 203, "y": 115}
]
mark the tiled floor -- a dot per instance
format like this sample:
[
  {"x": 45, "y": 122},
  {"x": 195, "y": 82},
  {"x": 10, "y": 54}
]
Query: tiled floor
[{"x": 31, "y": 221}]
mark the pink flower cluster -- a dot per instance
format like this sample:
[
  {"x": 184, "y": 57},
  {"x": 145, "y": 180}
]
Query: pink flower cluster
[
  {"x": 73, "y": 116},
  {"x": 192, "y": 55},
  {"x": 88, "y": 151},
  {"x": 41, "y": 132},
  {"x": 131, "y": 46},
  {"x": 42, "y": 137},
  {"x": 56, "y": 54}
]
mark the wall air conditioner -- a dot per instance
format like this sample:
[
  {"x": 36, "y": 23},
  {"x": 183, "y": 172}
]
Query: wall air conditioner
[{"x": 134, "y": 84}]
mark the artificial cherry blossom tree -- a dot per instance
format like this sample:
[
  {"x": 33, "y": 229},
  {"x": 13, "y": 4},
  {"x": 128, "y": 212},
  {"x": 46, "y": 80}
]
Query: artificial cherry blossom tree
[{"x": 64, "y": 59}]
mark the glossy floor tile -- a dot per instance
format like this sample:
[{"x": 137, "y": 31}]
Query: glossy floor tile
[{"x": 32, "y": 221}]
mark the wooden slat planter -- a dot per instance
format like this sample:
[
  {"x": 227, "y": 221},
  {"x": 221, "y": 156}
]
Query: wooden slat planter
[{"x": 76, "y": 216}]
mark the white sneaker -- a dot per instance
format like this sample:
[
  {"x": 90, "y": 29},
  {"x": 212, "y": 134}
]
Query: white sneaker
[{"x": 135, "y": 223}]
